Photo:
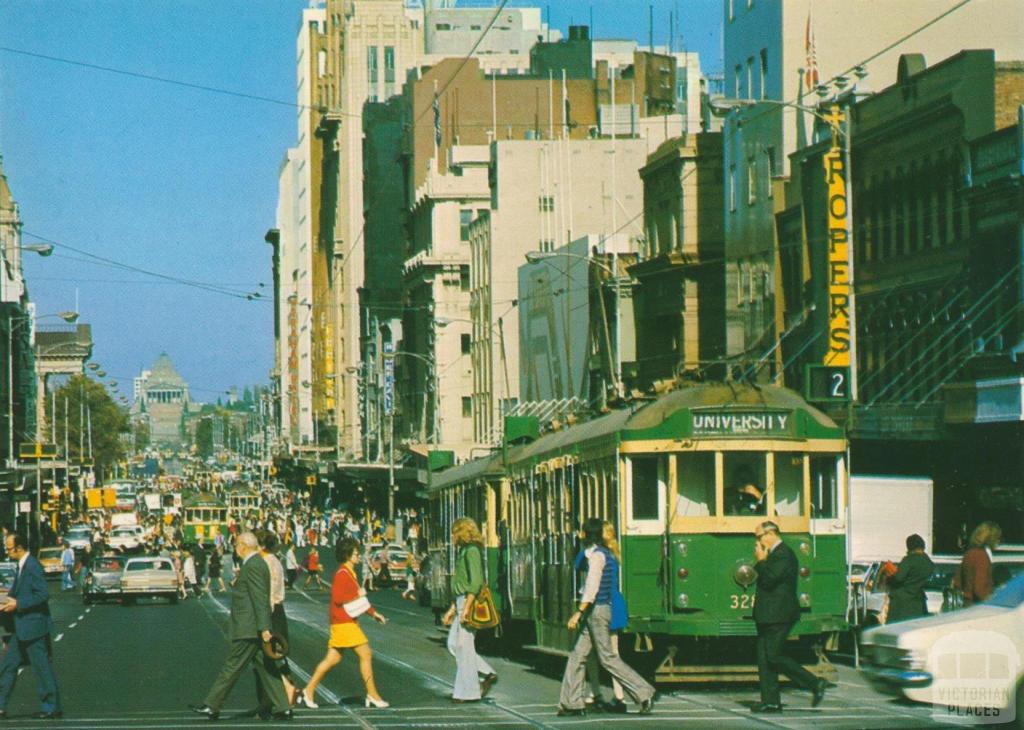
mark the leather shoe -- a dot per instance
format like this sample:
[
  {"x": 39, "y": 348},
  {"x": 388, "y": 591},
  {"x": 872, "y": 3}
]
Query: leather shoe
[
  {"x": 818, "y": 692},
  {"x": 646, "y": 706},
  {"x": 618, "y": 707},
  {"x": 54, "y": 715},
  {"x": 485, "y": 686},
  {"x": 281, "y": 716},
  {"x": 571, "y": 711},
  {"x": 205, "y": 710},
  {"x": 764, "y": 707}
]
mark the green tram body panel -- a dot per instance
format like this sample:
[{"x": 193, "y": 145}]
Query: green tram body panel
[
  {"x": 205, "y": 516},
  {"x": 528, "y": 588}
]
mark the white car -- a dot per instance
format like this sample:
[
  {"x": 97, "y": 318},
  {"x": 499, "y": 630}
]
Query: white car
[
  {"x": 128, "y": 537},
  {"x": 154, "y": 577},
  {"x": 968, "y": 663}
]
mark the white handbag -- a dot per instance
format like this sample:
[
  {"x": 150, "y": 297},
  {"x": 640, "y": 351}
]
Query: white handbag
[{"x": 359, "y": 606}]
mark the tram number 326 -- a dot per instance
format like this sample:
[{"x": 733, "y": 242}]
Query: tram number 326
[{"x": 743, "y": 601}]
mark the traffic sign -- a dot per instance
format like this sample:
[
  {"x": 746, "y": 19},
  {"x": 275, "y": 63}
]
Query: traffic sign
[
  {"x": 827, "y": 383},
  {"x": 36, "y": 450},
  {"x": 311, "y": 480}
]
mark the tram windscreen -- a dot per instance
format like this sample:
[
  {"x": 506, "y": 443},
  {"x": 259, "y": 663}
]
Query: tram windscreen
[
  {"x": 746, "y": 480},
  {"x": 789, "y": 484},
  {"x": 695, "y": 484},
  {"x": 646, "y": 473}
]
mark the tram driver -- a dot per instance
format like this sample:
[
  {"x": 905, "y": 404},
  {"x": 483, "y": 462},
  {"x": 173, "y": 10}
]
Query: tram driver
[{"x": 745, "y": 498}]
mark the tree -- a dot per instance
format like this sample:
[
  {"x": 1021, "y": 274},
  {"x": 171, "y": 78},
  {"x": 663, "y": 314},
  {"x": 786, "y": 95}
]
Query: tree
[
  {"x": 142, "y": 434},
  {"x": 204, "y": 437},
  {"x": 92, "y": 416}
]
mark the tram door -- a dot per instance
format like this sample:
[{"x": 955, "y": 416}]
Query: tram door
[
  {"x": 557, "y": 540},
  {"x": 644, "y": 523}
]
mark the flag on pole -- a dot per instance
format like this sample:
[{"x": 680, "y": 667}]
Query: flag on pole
[
  {"x": 437, "y": 120},
  {"x": 811, "y": 74}
]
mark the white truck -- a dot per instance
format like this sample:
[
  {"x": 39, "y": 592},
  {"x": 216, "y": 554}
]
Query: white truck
[{"x": 884, "y": 510}]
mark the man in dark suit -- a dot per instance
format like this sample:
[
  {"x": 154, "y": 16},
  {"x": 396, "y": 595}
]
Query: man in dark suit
[
  {"x": 776, "y": 611},
  {"x": 28, "y": 602},
  {"x": 250, "y": 626}
]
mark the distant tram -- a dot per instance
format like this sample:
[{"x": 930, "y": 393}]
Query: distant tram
[
  {"x": 206, "y": 516},
  {"x": 242, "y": 500},
  {"x": 685, "y": 478}
]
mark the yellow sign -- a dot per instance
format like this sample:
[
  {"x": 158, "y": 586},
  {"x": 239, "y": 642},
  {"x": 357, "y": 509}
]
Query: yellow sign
[
  {"x": 840, "y": 283},
  {"x": 311, "y": 480}
]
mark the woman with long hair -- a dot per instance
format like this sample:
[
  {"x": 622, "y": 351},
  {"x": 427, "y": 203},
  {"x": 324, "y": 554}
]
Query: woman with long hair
[
  {"x": 345, "y": 631},
  {"x": 618, "y": 622},
  {"x": 473, "y": 676},
  {"x": 974, "y": 577}
]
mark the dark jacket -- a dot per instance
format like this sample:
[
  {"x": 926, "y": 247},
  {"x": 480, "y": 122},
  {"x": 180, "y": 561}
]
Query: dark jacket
[
  {"x": 974, "y": 576},
  {"x": 775, "y": 601},
  {"x": 32, "y": 616},
  {"x": 906, "y": 588},
  {"x": 250, "y": 600}
]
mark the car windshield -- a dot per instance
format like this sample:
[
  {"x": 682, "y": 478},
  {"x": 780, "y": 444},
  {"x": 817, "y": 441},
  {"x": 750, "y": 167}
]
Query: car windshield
[
  {"x": 124, "y": 531},
  {"x": 79, "y": 532},
  {"x": 50, "y": 553},
  {"x": 108, "y": 564},
  {"x": 7, "y": 573},
  {"x": 941, "y": 578},
  {"x": 149, "y": 565},
  {"x": 1010, "y": 595}
]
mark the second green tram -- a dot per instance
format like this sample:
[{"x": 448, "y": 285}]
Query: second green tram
[
  {"x": 685, "y": 479},
  {"x": 206, "y": 516}
]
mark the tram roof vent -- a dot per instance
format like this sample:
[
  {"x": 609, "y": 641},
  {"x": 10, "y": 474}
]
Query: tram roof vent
[{"x": 521, "y": 429}]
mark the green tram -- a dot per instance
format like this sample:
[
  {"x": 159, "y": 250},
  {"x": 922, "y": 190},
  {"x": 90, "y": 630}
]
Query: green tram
[
  {"x": 685, "y": 478},
  {"x": 206, "y": 515},
  {"x": 242, "y": 500}
]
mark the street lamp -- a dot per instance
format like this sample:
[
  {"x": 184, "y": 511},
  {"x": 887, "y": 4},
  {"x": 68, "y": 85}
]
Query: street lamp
[
  {"x": 43, "y": 249},
  {"x": 94, "y": 366},
  {"x": 534, "y": 257}
]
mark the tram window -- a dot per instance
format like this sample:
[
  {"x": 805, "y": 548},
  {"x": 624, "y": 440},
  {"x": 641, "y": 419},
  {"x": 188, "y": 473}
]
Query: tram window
[
  {"x": 824, "y": 487},
  {"x": 745, "y": 483},
  {"x": 646, "y": 473},
  {"x": 695, "y": 484},
  {"x": 789, "y": 484}
]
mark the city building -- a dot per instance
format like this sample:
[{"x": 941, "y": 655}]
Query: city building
[
  {"x": 936, "y": 266},
  {"x": 778, "y": 53},
  {"x": 164, "y": 399},
  {"x": 679, "y": 297}
]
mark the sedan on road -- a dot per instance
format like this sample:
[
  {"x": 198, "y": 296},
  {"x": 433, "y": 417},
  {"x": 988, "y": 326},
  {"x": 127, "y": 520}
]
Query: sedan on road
[
  {"x": 79, "y": 537},
  {"x": 127, "y": 538},
  {"x": 967, "y": 663},
  {"x": 154, "y": 577},
  {"x": 50, "y": 559},
  {"x": 104, "y": 579}
]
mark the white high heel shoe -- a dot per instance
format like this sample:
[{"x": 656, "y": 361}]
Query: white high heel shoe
[
  {"x": 380, "y": 704},
  {"x": 305, "y": 699}
]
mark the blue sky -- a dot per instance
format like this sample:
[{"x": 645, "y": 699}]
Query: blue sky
[{"x": 178, "y": 180}]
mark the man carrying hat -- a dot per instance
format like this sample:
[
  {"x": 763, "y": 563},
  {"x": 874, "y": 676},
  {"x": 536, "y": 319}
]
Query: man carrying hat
[{"x": 250, "y": 627}]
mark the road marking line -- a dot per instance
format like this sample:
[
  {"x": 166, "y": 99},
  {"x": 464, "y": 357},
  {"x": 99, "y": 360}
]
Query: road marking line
[
  {"x": 58, "y": 637},
  {"x": 71, "y": 626},
  {"x": 81, "y": 617}
]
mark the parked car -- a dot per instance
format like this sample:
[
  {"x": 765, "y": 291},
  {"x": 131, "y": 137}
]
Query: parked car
[
  {"x": 79, "y": 537},
  {"x": 7, "y": 573},
  {"x": 49, "y": 558},
  {"x": 104, "y": 579},
  {"x": 127, "y": 538},
  {"x": 395, "y": 557},
  {"x": 965, "y": 662},
  {"x": 152, "y": 576}
]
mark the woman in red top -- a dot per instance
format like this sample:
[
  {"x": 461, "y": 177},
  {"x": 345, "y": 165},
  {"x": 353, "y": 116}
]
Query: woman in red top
[
  {"x": 313, "y": 568},
  {"x": 974, "y": 577},
  {"x": 345, "y": 631}
]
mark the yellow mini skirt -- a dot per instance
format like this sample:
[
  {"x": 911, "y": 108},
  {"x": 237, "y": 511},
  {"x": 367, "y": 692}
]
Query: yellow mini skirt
[{"x": 346, "y": 635}]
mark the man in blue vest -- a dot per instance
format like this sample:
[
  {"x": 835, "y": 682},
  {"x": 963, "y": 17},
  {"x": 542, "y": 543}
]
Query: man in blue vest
[{"x": 28, "y": 602}]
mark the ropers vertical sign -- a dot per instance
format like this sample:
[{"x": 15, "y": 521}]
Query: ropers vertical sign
[{"x": 840, "y": 282}]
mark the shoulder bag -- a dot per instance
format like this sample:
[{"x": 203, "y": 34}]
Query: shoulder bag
[
  {"x": 484, "y": 614},
  {"x": 357, "y": 606}
]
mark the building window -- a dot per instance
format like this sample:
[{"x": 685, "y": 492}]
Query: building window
[
  {"x": 443, "y": 26},
  {"x": 371, "y": 63},
  {"x": 546, "y": 203},
  {"x": 751, "y": 180},
  {"x": 466, "y": 342},
  {"x": 546, "y": 245},
  {"x": 732, "y": 188},
  {"x": 750, "y": 77},
  {"x": 467, "y": 407},
  {"x": 464, "y": 277},
  {"x": 729, "y": 7},
  {"x": 764, "y": 73},
  {"x": 769, "y": 163},
  {"x": 465, "y": 218},
  {"x": 474, "y": 27},
  {"x": 389, "y": 64},
  {"x": 738, "y": 93}
]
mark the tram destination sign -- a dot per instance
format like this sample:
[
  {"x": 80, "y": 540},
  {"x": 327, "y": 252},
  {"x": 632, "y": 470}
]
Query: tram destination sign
[{"x": 720, "y": 422}]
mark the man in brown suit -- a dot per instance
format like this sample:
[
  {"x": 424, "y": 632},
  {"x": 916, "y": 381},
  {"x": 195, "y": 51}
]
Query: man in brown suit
[{"x": 250, "y": 626}]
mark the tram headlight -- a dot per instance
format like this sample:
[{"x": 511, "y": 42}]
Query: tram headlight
[
  {"x": 682, "y": 573},
  {"x": 805, "y": 600},
  {"x": 805, "y": 572},
  {"x": 744, "y": 574},
  {"x": 682, "y": 600}
]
